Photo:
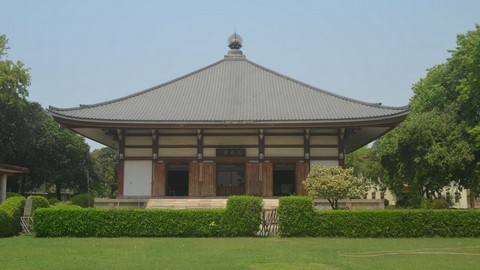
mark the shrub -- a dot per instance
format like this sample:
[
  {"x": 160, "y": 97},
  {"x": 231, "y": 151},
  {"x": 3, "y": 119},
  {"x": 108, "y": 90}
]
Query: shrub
[
  {"x": 243, "y": 216},
  {"x": 296, "y": 215},
  {"x": 53, "y": 201},
  {"x": 39, "y": 202},
  {"x": 12, "y": 194},
  {"x": 10, "y": 212},
  {"x": 440, "y": 203},
  {"x": 83, "y": 200}
]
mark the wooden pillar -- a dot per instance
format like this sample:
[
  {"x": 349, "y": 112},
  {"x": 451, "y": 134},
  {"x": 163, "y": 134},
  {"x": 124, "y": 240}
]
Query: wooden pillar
[
  {"x": 199, "y": 145},
  {"x": 306, "y": 144},
  {"x": 121, "y": 163},
  {"x": 3, "y": 188},
  {"x": 301, "y": 171},
  {"x": 341, "y": 147}
]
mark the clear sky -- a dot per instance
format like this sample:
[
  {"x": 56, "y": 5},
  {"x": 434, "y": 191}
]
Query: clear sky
[{"x": 85, "y": 52}]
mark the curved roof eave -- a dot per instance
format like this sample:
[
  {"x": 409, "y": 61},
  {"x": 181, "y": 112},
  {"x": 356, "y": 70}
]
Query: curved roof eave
[{"x": 368, "y": 121}]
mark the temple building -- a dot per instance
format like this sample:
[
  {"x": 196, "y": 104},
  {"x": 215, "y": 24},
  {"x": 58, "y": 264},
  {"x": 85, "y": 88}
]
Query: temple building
[{"x": 233, "y": 127}]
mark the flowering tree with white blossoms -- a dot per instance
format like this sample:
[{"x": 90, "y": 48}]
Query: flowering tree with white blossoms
[{"x": 335, "y": 183}]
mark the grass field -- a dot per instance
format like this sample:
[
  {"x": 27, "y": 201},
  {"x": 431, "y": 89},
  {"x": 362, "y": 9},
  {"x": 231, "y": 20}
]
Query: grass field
[{"x": 26, "y": 252}]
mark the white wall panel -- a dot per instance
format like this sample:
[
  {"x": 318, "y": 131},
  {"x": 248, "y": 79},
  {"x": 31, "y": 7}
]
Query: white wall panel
[
  {"x": 138, "y": 178},
  {"x": 138, "y": 152},
  {"x": 324, "y": 140},
  {"x": 324, "y": 152},
  {"x": 177, "y": 152},
  {"x": 138, "y": 140},
  {"x": 230, "y": 140},
  {"x": 178, "y": 140},
  {"x": 323, "y": 163},
  {"x": 278, "y": 140},
  {"x": 283, "y": 152}
]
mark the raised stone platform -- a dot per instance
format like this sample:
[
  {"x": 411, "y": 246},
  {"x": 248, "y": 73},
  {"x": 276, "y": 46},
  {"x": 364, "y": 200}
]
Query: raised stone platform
[{"x": 174, "y": 203}]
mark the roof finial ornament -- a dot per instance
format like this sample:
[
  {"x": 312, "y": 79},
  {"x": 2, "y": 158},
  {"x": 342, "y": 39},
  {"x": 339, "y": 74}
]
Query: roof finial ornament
[{"x": 235, "y": 41}]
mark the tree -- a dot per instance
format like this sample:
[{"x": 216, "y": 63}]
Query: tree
[
  {"x": 366, "y": 162},
  {"x": 427, "y": 153},
  {"x": 14, "y": 77},
  {"x": 29, "y": 136},
  {"x": 335, "y": 183},
  {"x": 105, "y": 164},
  {"x": 439, "y": 141}
]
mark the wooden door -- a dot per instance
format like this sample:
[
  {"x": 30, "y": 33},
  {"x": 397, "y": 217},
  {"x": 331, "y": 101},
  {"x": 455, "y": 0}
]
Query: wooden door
[
  {"x": 201, "y": 179},
  {"x": 230, "y": 179},
  {"x": 301, "y": 171},
  {"x": 266, "y": 179},
  {"x": 252, "y": 179},
  {"x": 193, "y": 179},
  {"x": 159, "y": 176}
]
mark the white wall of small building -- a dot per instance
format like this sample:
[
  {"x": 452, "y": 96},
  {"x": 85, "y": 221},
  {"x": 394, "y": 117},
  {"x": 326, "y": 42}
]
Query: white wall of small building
[{"x": 138, "y": 178}]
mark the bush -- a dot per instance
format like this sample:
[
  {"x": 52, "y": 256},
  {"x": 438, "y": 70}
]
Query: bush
[
  {"x": 39, "y": 202},
  {"x": 243, "y": 216},
  {"x": 296, "y": 215},
  {"x": 12, "y": 194},
  {"x": 376, "y": 223},
  {"x": 440, "y": 203},
  {"x": 53, "y": 201},
  {"x": 10, "y": 212},
  {"x": 83, "y": 200}
]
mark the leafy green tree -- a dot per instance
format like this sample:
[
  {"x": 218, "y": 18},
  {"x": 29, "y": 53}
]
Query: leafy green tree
[
  {"x": 104, "y": 176},
  {"x": 428, "y": 153},
  {"x": 14, "y": 77},
  {"x": 439, "y": 142},
  {"x": 335, "y": 183},
  {"x": 366, "y": 162},
  {"x": 29, "y": 136}
]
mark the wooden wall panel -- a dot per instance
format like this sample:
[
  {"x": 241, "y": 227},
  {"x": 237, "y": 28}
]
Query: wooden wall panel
[
  {"x": 267, "y": 179},
  {"x": 159, "y": 176},
  {"x": 301, "y": 172},
  {"x": 252, "y": 180},
  {"x": 193, "y": 179},
  {"x": 209, "y": 181}
]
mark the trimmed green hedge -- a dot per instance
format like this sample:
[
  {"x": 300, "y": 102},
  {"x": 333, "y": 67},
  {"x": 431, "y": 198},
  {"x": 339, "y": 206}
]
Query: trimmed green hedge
[
  {"x": 10, "y": 212},
  {"x": 91, "y": 222},
  {"x": 296, "y": 215},
  {"x": 375, "y": 223},
  {"x": 242, "y": 217}
]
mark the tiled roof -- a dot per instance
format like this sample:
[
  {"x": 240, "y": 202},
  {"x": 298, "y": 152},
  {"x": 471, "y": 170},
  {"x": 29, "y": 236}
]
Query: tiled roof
[{"x": 231, "y": 90}]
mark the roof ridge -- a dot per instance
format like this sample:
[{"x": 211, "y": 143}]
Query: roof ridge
[
  {"x": 83, "y": 106},
  {"x": 371, "y": 104}
]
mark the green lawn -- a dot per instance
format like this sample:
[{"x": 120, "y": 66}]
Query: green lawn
[{"x": 238, "y": 253}]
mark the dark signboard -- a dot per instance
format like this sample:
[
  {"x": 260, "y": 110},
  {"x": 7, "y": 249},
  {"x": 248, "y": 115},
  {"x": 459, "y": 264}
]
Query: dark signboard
[{"x": 231, "y": 153}]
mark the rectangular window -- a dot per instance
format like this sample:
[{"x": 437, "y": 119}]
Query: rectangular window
[
  {"x": 374, "y": 195},
  {"x": 457, "y": 197},
  {"x": 382, "y": 195}
]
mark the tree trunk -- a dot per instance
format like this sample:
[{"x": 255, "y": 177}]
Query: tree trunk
[
  {"x": 332, "y": 203},
  {"x": 58, "y": 189}
]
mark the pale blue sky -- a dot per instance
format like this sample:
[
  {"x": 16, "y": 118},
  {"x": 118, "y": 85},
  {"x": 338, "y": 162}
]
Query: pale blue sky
[{"x": 84, "y": 52}]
